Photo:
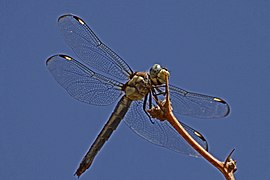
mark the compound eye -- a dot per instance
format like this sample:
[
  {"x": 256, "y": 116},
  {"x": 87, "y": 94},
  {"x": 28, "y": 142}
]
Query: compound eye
[{"x": 155, "y": 70}]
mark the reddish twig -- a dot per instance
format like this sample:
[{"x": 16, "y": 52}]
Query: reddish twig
[{"x": 164, "y": 112}]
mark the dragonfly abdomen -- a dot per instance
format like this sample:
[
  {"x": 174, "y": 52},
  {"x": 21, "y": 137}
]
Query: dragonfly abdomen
[{"x": 114, "y": 120}]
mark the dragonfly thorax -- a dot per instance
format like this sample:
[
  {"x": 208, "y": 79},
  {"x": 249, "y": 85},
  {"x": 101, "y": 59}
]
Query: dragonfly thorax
[
  {"x": 138, "y": 86},
  {"x": 158, "y": 74}
]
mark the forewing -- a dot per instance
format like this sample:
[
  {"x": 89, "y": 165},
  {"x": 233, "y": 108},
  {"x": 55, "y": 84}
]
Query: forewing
[
  {"x": 82, "y": 83},
  {"x": 197, "y": 105},
  {"x": 161, "y": 132},
  {"x": 90, "y": 49}
]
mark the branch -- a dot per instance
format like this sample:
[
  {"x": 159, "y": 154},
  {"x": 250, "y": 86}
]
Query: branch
[{"x": 164, "y": 112}]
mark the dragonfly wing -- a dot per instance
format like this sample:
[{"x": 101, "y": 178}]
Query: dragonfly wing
[
  {"x": 197, "y": 105},
  {"x": 82, "y": 83},
  {"x": 161, "y": 132},
  {"x": 90, "y": 49}
]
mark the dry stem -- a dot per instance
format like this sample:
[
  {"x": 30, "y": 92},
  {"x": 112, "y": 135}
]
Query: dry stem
[{"x": 227, "y": 168}]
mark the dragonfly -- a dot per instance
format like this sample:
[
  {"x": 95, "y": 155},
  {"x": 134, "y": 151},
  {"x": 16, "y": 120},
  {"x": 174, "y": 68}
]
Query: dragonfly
[{"x": 101, "y": 77}]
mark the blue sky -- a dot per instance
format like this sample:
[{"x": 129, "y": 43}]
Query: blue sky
[{"x": 218, "y": 48}]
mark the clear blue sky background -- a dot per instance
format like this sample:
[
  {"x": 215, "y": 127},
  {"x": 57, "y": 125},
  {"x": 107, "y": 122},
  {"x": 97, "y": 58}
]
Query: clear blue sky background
[{"x": 219, "y": 48}]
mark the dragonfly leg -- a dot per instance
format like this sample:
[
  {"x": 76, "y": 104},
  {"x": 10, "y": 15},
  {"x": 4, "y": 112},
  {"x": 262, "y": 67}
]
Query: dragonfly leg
[
  {"x": 159, "y": 91},
  {"x": 150, "y": 106}
]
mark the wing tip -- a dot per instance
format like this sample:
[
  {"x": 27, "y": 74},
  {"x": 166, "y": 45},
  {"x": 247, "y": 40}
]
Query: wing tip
[
  {"x": 225, "y": 103},
  {"x": 199, "y": 135},
  {"x": 228, "y": 110},
  {"x": 49, "y": 59},
  {"x": 66, "y": 57},
  {"x": 71, "y": 16},
  {"x": 64, "y": 16}
]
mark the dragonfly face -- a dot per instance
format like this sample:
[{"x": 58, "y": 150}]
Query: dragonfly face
[
  {"x": 102, "y": 77},
  {"x": 157, "y": 74}
]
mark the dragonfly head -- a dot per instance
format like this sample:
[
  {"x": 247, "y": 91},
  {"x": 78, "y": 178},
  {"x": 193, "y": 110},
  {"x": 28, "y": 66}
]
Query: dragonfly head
[{"x": 158, "y": 74}]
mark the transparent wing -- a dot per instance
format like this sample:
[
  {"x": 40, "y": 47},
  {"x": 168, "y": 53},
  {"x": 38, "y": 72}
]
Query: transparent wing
[
  {"x": 82, "y": 83},
  {"x": 161, "y": 132},
  {"x": 90, "y": 49},
  {"x": 197, "y": 105}
]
